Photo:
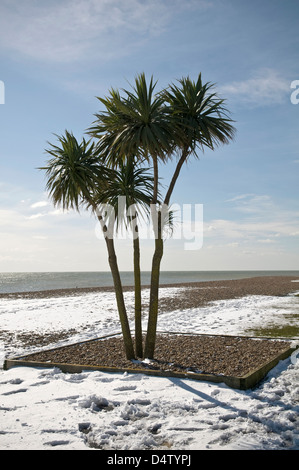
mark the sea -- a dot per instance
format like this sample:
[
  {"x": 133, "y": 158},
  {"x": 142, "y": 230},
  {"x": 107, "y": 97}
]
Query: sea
[{"x": 12, "y": 282}]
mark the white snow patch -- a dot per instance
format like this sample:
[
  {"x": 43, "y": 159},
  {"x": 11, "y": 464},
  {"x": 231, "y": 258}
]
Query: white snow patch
[{"x": 47, "y": 409}]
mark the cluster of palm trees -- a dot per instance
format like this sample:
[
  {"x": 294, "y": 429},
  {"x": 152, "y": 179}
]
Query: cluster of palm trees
[{"x": 137, "y": 131}]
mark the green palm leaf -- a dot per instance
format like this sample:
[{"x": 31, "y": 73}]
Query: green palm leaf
[
  {"x": 131, "y": 184},
  {"x": 134, "y": 124},
  {"x": 199, "y": 117},
  {"x": 73, "y": 172}
]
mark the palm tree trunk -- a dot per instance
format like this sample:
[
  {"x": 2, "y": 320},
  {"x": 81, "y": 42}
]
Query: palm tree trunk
[
  {"x": 155, "y": 273},
  {"x": 158, "y": 254},
  {"x": 156, "y": 180},
  {"x": 137, "y": 283},
  {"x": 129, "y": 349},
  {"x": 175, "y": 175},
  {"x": 154, "y": 294},
  {"x": 128, "y": 342}
]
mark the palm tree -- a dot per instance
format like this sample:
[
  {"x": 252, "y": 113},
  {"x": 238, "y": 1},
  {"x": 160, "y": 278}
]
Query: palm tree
[
  {"x": 135, "y": 185},
  {"x": 76, "y": 178},
  {"x": 179, "y": 120},
  {"x": 199, "y": 120},
  {"x": 137, "y": 124},
  {"x": 151, "y": 127}
]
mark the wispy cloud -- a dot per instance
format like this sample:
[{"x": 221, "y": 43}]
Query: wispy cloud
[
  {"x": 255, "y": 204},
  {"x": 78, "y": 29},
  {"x": 265, "y": 87},
  {"x": 30, "y": 240},
  {"x": 230, "y": 231},
  {"x": 239, "y": 197},
  {"x": 46, "y": 213},
  {"x": 39, "y": 204},
  {"x": 262, "y": 222}
]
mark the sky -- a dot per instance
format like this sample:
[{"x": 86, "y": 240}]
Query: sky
[{"x": 58, "y": 56}]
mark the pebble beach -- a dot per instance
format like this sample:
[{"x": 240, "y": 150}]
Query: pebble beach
[{"x": 47, "y": 409}]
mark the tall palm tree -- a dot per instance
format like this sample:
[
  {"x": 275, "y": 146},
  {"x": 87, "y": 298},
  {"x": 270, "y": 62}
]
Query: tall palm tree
[
  {"x": 135, "y": 185},
  {"x": 75, "y": 178},
  {"x": 139, "y": 124},
  {"x": 199, "y": 119},
  {"x": 180, "y": 119},
  {"x": 134, "y": 124}
]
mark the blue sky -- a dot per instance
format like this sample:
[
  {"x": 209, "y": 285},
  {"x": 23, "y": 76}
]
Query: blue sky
[{"x": 57, "y": 56}]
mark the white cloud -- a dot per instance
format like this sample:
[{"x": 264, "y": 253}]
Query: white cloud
[
  {"x": 262, "y": 222},
  {"x": 262, "y": 234},
  {"x": 239, "y": 197},
  {"x": 36, "y": 216},
  {"x": 254, "y": 203},
  {"x": 250, "y": 230},
  {"x": 44, "y": 214},
  {"x": 39, "y": 204},
  {"x": 265, "y": 87},
  {"x": 76, "y": 29},
  {"x": 48, "y": 242}
]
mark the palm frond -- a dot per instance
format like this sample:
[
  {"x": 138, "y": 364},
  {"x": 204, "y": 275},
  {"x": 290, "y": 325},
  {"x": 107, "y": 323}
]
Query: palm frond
[
  {"x": 199, "y": 116},
  {"x": 136, "y": 123},
  {"x": 73, "y": 172},
  {"x": 129, "y": 186}
]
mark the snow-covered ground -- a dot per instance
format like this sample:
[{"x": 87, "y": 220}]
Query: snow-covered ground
[{"x": 45, "y": 409}]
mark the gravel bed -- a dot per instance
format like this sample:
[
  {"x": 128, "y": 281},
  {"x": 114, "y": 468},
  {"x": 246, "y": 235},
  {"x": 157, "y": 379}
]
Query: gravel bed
[{"x": 220, "y": 355}]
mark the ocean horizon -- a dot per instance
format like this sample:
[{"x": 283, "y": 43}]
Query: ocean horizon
[{"x": 12, "y": 282}]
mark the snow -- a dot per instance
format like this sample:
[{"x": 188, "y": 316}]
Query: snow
[{"x": 43, "y": 409}]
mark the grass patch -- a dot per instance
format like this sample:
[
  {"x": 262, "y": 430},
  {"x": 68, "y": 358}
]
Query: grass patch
[
  {"x": 276, "y": 331},
  {"x": 292, "y": 316}
]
